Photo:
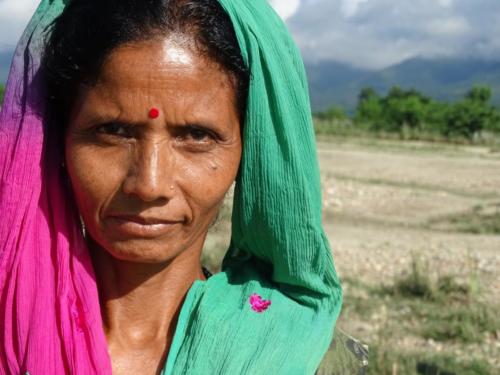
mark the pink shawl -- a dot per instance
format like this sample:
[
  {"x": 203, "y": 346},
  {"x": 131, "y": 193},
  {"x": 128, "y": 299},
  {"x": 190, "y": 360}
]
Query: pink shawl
[{"x": 48, "y": 292}]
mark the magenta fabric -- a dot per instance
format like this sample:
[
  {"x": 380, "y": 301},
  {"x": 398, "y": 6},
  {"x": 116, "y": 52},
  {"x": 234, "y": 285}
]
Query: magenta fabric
[{"x": 48, "y": 297}]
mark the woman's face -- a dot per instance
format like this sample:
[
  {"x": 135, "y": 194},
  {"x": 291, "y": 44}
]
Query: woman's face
[{"x": 149, "y": 188}]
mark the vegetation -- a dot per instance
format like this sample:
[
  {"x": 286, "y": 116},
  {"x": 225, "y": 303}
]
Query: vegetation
[
  {"x": 383, "y": 362},
  {"x": 465, "y": 318},
  {"x": 410, "y": 114},
  {"x": 2, "y": 92},
  {"x": 481, "y": 219},
  {"x": 413, "y": 305}
]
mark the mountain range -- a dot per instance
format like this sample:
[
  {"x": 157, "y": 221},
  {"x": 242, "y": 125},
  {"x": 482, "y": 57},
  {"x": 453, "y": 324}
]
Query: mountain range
[{"x": 333, "y": 83}]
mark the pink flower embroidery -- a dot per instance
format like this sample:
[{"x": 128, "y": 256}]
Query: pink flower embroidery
[{"x": 258, "y": 304}]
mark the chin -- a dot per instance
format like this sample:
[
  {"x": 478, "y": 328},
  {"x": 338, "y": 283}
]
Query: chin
[
  {"x": 141, "y": 251},
  {"x": 149, "y": 249}
]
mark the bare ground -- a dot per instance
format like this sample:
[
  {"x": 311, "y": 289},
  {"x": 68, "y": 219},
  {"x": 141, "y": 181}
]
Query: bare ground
[{"x": 385, "y": 206}]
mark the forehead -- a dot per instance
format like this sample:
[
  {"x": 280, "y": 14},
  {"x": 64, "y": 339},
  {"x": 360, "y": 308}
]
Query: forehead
[{"x": 163, "y": 71}]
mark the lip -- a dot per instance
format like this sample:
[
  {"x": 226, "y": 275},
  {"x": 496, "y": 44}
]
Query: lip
[{"x": 139, "y": 226}]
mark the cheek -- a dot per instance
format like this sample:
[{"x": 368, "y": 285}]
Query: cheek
[
  {"x": 95, "y": 175},
  {"x": 207, "y": 180}
]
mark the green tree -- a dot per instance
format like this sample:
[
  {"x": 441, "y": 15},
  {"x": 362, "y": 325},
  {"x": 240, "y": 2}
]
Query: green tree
[
  {"x": 332, "y": 113},
  {"x": 472, "y": 115},
  {"x": 404, "y": 109},
  {"x": 369, "y": 110},
  {"x": 411, "y": 113},
  {"x": 479, "y": 94},
  {"x": 367, "y": 93},
  {"x": 436, "y": 117}
]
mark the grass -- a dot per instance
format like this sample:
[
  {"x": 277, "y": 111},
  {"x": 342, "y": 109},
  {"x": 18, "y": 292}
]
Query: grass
[
  {"x": 348, "y": 128},
  {"x": 383, "y": 362},
  {"x": 467, "y": 322},
  {"x": 478, "y": 221},
  {"x": 417, "y": 305},
  {"x": 481, "y": 219},
  {"x": 417, "y": 283},
  {"x": 448, "y": 310}
]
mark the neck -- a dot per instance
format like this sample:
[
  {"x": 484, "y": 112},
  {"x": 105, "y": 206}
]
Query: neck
[{"x": 140, "y": 302}]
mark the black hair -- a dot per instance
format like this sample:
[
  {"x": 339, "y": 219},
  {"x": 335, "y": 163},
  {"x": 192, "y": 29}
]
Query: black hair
[{"x": 87, "y": 31}]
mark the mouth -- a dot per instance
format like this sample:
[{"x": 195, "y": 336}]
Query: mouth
[{"x": 140, "y": 226}]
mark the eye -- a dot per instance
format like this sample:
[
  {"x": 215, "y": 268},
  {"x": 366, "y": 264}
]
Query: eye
[
  {"x": 199, "y": 135},
  {"x": 115, "y": 129},
  {"x": 194, "y": 134},
  {"x": 195, "y": 138}
]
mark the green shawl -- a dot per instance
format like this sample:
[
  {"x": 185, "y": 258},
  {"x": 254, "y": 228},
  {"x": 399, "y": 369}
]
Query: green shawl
[{"x": 278, "y": 247}]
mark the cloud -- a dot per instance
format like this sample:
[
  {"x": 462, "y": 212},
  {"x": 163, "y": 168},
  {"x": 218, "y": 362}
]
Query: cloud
[
  {"x": 285, "y": 8},
  {"x": 445, "y": 3},
  {"x": 14, "y": 16},
  {"x": 452, "y": 26},
  {"x": 350, "y": 7},
  {"x": 364, "y": 33},
  {"x": 377, "y": 33},
  {"x": 17, "y": 8}
]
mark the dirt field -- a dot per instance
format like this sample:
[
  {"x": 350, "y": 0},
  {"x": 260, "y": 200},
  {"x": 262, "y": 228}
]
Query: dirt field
[
  {"x": 389, "y": 203},
  {"x": 382, "y": 205}
]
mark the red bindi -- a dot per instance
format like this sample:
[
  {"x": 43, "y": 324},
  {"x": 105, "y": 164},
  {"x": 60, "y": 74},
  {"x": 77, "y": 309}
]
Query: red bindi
[{"x": 154, "y": 113}]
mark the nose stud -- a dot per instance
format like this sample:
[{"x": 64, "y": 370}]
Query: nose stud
[
  {"x": 171, "y": 187},
  {"x": 154, "y": 113}
]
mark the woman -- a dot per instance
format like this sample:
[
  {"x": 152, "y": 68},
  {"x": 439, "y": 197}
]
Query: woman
[{"x": 116, "y": 155}]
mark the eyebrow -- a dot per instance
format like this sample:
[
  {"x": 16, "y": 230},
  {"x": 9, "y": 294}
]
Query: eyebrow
[{"x": 196, "y": 124}]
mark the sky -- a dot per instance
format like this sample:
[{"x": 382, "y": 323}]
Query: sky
[{"x": 370, "y": 34}]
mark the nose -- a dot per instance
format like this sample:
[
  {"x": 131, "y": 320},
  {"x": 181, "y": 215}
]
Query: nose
[{"x": 151, "y": 172}]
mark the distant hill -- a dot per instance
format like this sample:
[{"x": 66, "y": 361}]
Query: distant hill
[
  {"x": 443, "y": 79},
  {"x": 334, "y": 83},
  {"x": 331, "y": 82}
]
